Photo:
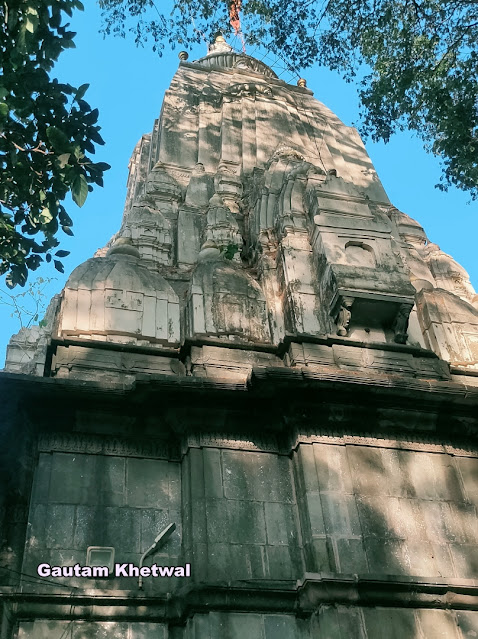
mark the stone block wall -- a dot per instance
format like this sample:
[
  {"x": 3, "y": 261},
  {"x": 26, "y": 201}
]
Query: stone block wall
[
  {"x": 267, "y": 523},
  {"x": 331, "y": 622},
  {"x": 343, "y": 622},
  {"x": 238, "y": 625},
  {"x": 374, "y": 510},
  {"x": 48, "y": 628},
  {"x": 347, "y": 509},
  {"x": 82, "y": 500},
  {"x": 240, "y": 516}
]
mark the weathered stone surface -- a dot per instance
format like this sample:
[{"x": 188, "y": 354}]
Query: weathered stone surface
[
  {"x": 262, "y": 356},
  {"x": 45, "y": 629}
]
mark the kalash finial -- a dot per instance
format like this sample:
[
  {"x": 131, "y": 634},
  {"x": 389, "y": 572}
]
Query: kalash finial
[
  {"x": 302, "y": 82},
  {"x": 183, "y": 56},
  {"x": 220, "y": 45}
]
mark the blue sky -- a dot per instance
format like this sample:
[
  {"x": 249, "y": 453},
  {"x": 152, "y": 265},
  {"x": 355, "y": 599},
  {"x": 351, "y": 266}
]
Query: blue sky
[{"x": 127, "y": 85}]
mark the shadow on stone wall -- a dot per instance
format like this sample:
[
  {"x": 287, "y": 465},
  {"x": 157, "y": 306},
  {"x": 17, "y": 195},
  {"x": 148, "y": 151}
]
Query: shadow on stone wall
[{"x": 406, "y": 514}]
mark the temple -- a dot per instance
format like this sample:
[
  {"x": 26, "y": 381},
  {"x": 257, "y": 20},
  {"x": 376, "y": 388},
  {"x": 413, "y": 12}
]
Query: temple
[{"x": 268, "y": 355}]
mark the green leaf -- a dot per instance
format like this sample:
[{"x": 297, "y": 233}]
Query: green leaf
[
  {"x": 45, "y": 215},
  {"x": 81, "y": 91},
  {"x": 63, "y": 159},
  {"x": 79, "y": 190},
  {"x": 3, "y": 110},
  {"x": 65, "y": 219},
  {"x": 92, "y": 117},
  {"x": 230, "y": 251},
  {"x": 59, "y": 266},
  {"x": 102, "y": 166},
  {"x": 31, "y": 20},
  {"x": 58, "y": 139},
  {"x": 62, "y": 253}
]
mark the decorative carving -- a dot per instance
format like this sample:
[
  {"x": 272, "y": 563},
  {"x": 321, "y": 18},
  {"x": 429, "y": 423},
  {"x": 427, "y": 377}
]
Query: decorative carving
[
  {"x": 400, "y": 324},
  {"x": 284, "y": 151},
  {"x": 219, "y": 45},
  {"x": 249, "y": 89},
  {"x": 234, "y": 441},
  {"x": 222, "y": 55},
  {"x": 344, "y": 316},
  {"x": 380, "y": 440},
  {"x": 97, "y": 445}
]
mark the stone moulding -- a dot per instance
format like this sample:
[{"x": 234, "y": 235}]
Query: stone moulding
[
  {"x": 269, "y": 444},
  {"x": 96, "y": 445},
  {"x": 272, "y": 443},
  {"x": 378, "y": 440},
  {"x": 302, "y": 598}
]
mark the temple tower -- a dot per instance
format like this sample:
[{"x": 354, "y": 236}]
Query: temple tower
[{"x": 269, "y": 355}]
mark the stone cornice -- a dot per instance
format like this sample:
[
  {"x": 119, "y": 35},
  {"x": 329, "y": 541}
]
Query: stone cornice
[
  {"x": 263, "y": 382},
  {"x": 302, "y": 598}
]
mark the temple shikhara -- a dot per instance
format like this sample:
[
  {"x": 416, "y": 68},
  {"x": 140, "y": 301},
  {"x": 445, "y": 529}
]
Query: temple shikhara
[{"x": 268, "y": 355}]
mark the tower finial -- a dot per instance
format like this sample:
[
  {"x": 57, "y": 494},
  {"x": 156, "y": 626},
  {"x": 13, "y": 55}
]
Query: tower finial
[{"x": 220, "y": 45}]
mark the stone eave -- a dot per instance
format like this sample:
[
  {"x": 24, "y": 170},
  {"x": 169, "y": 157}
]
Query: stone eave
[
  {"x": 316, "y": 385},
  {"x": 302, "y": 598}
]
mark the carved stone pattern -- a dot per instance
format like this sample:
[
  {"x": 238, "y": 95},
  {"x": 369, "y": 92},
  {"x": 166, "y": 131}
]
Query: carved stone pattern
[
  {"x": 96, "y": 445},
  {"x": 432, "y": 445},
  {"x": 224, "y": 440},
  {"x": 271, "y": 444}
]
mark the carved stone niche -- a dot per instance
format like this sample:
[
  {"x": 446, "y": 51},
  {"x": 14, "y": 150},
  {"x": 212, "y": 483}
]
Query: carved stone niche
[
  {"x": 365, "y": 284},
  {"x": 388, "y": 319}
]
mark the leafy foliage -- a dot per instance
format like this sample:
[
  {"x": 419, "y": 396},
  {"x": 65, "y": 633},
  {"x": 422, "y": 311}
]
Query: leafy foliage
[
  {"x": 422, "y": 57},
  {"x": 46, "y": 130},
  {"x": 229, "y": 251}
]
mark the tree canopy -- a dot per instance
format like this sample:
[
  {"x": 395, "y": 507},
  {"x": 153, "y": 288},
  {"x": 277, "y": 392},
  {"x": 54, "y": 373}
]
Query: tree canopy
[
  {"x": 46, "y": 131},
  {"x": 416, "y": 61}
]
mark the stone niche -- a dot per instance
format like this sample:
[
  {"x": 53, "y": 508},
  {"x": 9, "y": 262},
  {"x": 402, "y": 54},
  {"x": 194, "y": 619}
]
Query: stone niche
[
  {"x": 363, "y": 281},
  {"x": 224, "y": 301},
  {"x": 118, "y": 299}
]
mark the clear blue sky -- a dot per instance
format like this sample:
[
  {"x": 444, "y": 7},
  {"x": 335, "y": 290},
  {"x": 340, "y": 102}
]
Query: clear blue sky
[{"x": 127, "y": 86}]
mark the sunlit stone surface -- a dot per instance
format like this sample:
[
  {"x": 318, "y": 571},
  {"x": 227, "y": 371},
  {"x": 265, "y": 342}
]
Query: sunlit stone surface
[{"x": 273, "y": 357}]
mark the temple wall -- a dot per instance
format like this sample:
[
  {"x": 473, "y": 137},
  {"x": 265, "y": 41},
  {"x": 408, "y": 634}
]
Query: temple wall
[{"x": 258, "y": 515}]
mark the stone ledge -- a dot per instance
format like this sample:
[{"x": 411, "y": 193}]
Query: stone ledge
[
  {"x": 262, "y": 382},
  {"x": 301, "y": 599}
]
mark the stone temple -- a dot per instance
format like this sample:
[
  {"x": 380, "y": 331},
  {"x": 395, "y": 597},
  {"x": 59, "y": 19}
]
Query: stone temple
[{"x": 268, "y": 355}]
